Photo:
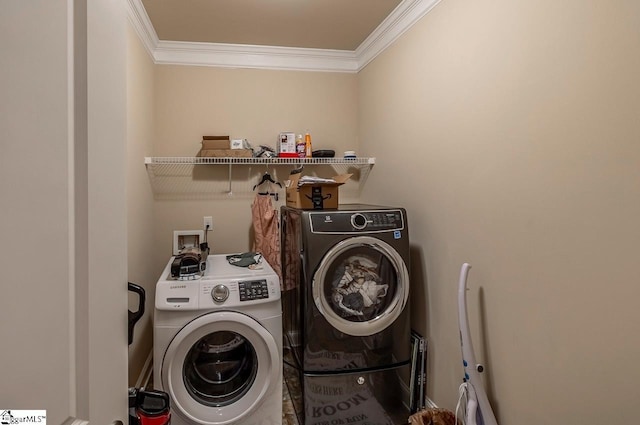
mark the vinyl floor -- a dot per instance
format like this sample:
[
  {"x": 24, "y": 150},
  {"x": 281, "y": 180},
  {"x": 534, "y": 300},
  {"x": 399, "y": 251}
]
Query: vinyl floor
[{"x": 291, "y": 393}]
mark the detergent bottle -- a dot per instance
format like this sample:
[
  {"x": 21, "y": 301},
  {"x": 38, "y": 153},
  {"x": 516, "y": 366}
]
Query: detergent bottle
[
  {"x": 307, "y": 145},
  {"x": 300, "y": 146}
]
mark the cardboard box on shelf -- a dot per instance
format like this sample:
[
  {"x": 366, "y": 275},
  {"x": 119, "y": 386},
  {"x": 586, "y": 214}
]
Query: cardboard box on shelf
[
  {"x": 314, "y": 196},
  {"x": 225, "y": 153},
  {"x": 215, "y": 142}
]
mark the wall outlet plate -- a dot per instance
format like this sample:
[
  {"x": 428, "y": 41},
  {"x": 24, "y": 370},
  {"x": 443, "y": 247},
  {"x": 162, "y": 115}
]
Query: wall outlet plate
[
  {"x": 186, "y": 239},
  {"x": 207, "y": 221}
]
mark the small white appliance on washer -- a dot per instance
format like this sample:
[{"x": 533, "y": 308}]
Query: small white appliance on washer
[{"x": 218, "y": 345}]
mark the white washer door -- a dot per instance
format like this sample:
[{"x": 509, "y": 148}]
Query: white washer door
[
  {"x": 361, "y": 286},
  {"x": 219, "y": 367}
]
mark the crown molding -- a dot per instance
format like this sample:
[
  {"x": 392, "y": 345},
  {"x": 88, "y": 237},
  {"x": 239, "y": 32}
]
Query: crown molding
[
  {"x": 250, "y": 56},
  {"x": 405, "y": 15},
  {"x": 142, "y": 25}
]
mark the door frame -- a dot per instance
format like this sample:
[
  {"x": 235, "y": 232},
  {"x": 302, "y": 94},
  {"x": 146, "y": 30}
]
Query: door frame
[{"x": 98, "y": 172}]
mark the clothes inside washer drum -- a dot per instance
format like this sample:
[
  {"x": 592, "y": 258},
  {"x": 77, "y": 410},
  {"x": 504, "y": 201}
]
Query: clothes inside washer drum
[{"x": 266, "y": 229}]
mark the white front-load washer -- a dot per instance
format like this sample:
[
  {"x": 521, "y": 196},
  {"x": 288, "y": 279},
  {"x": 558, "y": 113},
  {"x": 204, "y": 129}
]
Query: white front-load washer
[{"x": 218, "y": 345}]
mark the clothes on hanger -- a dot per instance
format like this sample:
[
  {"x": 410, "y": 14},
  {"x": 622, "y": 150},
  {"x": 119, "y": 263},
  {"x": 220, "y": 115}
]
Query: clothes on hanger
[{"x": 266, "y": 230}]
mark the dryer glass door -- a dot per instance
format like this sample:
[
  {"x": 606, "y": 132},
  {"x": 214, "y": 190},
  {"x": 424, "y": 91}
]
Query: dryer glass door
[
  {"x": 220, "y": 367},
  {"x": 361, "y": 286}
]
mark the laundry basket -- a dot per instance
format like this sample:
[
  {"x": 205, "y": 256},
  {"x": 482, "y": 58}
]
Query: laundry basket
[{"x": 433, "y": 416}]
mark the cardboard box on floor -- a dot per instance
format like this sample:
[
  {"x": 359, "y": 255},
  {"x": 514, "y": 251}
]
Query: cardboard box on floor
[{"x": 314, "y": 196}]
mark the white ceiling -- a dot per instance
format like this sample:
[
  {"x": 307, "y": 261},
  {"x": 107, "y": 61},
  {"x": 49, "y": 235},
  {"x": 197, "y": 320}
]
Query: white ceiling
[
  {"x": 314, "y": 24},
  {"x": 313, "y": 35}
]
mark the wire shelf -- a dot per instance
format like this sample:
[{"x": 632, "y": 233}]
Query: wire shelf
[
  {"x": 249, "y": 161},
  {"x": 189, "y": 178}
]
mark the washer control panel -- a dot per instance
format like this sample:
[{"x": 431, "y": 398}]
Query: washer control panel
[
  {"x": 223, "y": 286},
  {"x": 253, "y": 290},
  {"x": 229, "y": 293},
  {"x": 357, "y": 221}
]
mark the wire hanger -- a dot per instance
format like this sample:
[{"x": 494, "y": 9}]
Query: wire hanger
[{"x": 266, "y": 178}]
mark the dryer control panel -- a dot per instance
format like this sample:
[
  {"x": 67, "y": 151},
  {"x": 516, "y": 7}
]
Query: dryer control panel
[{"x": 356, "y": 221}]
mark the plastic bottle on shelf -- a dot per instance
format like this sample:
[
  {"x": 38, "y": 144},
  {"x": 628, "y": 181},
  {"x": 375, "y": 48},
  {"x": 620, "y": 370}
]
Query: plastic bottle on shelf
[
  {"x": 300, "y": 146},
  {"x": 307, "y": 145}
]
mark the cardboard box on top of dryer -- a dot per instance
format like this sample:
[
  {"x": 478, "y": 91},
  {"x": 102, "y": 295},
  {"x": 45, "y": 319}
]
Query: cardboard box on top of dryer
[{"x": 308, "y": 194}]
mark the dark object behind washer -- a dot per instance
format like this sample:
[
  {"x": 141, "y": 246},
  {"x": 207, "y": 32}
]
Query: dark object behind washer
[{"x": 134, "y": 316}]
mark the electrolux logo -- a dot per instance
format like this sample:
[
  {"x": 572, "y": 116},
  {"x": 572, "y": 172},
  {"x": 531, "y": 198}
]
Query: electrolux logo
[{"x": 10, "y": 417}]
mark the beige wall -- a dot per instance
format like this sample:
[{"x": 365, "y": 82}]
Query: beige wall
[
  {"x": 251, "y": 104},
  {"x": 140, "y": 216},
  {"x": 243, "y": 103},
  {"x": 519, "y": 133}
]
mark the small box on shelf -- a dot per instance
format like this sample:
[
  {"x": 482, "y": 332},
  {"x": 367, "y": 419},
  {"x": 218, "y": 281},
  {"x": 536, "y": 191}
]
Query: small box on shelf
[{"x": 287, "y": 145}]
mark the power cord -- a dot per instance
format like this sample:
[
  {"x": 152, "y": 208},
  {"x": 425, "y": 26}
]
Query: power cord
[
  {"x": 462, "y": 401},
  {"x": 205, "y": 245}
]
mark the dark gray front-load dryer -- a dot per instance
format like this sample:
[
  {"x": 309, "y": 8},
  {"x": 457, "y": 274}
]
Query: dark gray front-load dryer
[{"x": 345, "y": 303}]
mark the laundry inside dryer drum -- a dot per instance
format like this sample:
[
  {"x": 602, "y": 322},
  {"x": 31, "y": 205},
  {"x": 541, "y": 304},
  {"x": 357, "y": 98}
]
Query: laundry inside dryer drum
[
  {"x": 362, "y": 284},
  {"x": 220, "y": 368}
]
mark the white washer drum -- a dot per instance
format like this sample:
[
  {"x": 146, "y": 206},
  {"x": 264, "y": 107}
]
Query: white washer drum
[
  {"x": 220, "y": 367},
  {"x": 361, "y": 286}
]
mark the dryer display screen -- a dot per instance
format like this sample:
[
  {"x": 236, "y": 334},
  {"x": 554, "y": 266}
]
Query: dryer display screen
[{"x": 253, "y": 290}]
